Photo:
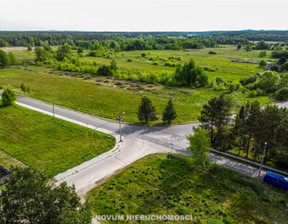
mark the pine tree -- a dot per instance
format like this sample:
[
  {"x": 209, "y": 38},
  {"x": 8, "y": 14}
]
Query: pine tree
[
  {"x": 169, "y": 113},
  {"x": 146, "y": 111},
  {"x": 28, "y": 198}
]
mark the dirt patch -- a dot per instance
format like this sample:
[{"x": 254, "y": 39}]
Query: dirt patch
[{"x": 8, "y": 49}]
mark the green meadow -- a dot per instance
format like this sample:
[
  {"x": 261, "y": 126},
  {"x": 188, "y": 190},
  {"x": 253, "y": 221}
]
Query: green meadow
[
  {"x": 108, "y": 96},
  {"x": 156, "y": 185},
  {"x": 29, "y": 138}
]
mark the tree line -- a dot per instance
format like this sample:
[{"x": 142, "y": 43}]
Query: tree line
[
  {"x": 249, "y": 130},
  {"x": 116, "y": 41}
]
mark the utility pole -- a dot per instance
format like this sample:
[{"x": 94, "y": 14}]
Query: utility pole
[
  {"x": 262, "y": 160},
  {"x": 120, "y": 131},
  {"x": 53, "y": 109}
]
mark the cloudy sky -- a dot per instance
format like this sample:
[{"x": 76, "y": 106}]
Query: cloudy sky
[{"x": 143, "y": 15}]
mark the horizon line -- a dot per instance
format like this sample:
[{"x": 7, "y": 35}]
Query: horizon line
[{"x": 146, "y": 31}]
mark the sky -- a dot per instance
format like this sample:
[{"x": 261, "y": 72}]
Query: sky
[{"x": 143, "y": 15}]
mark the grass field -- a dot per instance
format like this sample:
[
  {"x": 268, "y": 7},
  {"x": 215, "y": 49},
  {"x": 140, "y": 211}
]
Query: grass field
[
  {"x": 157, "y": 186},
  {"x": 106, "y": 97},
  {"x": 222, "y": 61},
  {"x": 47, "y": 143}
]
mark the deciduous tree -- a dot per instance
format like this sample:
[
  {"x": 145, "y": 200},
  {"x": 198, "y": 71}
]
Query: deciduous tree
[
  {"x": 3, "y": 59},
  {"x": 199, "y": 146}
]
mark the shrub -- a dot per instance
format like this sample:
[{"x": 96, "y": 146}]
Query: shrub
[
  {"x": 220, "y": 81},
  {"x": 250, "y": 79},
  {"x": 23, "y": 87},
  {"x": 143, "y": 55},
  {"x": 212, "y": 52},
  {"x": 8, "y": 97},
  {"x": 210, "y": 69},
  {"x": 262, "y": 64},
  {"x": 267, "y": 81},
  {"x": 262, "y": 54},
  {"x": 232, "y": 88},
  {"x": 104, "y": 70},
  {"x": 129, "y": 60},
  {"x": 282, "y": 94}
]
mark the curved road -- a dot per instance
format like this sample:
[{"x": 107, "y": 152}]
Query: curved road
[{"x": 137, "y": 142}]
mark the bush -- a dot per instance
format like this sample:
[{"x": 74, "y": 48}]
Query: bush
[
  {"x": 267, "y": 81},
  {"x": 220, "y": 81},
  {"x": 250, "y": 79},
  {"x": 212, "y": 52},
  {"x": 262, "y": 54},
  {"x": 282, "y": 94},
  {"x": 23, "y": 87},
  {"x": 210, "y": 69},
  {"x": 129, "y": 60},
  {"x": 8, "y": 97},
  {"x": 262, "y": 64},
  {"x": 104, "y": 70}
]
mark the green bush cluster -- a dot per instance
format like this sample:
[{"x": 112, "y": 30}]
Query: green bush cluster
[{"x": 268, "y": 82}]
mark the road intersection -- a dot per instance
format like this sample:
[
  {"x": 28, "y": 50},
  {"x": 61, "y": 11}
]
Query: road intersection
[{"x": 138, "y": 142}]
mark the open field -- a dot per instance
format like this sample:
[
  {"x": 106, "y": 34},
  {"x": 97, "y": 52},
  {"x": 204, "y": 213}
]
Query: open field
[
  {"x": 222, "y": 61},
  {"x": 157, "y": 186},
  {"x": 46, "y": 143},
  {"x": 107, "y": 97}
]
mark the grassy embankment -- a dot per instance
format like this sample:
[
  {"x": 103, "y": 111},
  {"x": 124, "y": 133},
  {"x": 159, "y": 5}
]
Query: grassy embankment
[
  {"x": 46, "y": 143},
  {"x": 158, "y": 186}
]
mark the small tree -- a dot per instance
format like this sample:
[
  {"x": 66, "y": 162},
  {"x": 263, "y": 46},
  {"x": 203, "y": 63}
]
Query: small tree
[
  {"x": 169, "y": 113},
  {"x": 262, "y": 64},
  {"x": 29, "y": 48},
  {"x": 12, "y": 60},
  {"x": 262, "y": 54},
  {"x": 104, "y": 70},
  {"x": 113, "y": 65},
  {"x": 199, "y": 146},
  {"x": 248, "y": 47},
  {"x": 4, "y": 61},
  {"x": 8, "y": 97},
  {"x": 239, "y": 46},
  {"x": 146, "y": 111}
]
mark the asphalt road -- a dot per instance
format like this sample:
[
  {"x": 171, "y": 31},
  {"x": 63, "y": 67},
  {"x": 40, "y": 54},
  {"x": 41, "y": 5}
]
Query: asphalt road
[{"x": 137, "y": 142}]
